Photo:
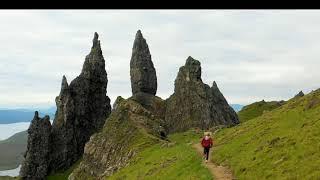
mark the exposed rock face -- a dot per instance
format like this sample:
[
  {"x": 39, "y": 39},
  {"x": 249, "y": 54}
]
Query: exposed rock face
[
  {"x": 35, "y": 165},
  {"x": 134, "y": 123},
  {"x": 195, "y": 104},
  {"x": 142, "y": 71},
  {"x": 300, "y": 94},
  {"x": 82, "y": 108},
  {"x": 130, "y": 128}
]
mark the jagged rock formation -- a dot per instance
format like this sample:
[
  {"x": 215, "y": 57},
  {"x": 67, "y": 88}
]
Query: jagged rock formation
[
  {"x": 35, "y": 166},
  {"x": 129, "y": 129},
  {"x": 300, "y": 94},
  {"x": 134, "y": 123},
  {"x": 195, "y": 104},
  {"x": 82, "y": 108},
  {"x": 142, "y": 72}
]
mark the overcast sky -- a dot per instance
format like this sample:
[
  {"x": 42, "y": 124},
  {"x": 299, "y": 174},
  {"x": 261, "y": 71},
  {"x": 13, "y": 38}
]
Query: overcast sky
[{"x": 252, "y": 55}]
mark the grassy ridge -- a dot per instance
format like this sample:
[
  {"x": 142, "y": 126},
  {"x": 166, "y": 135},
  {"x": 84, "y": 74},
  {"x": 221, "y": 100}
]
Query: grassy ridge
[
  {"x": 174, "y": 160},
  {"x": 279, "y": 144},
  {"x": 256, "y": 109}
]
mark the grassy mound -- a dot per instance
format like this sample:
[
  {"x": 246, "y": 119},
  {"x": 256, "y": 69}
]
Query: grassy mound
[
  {"x": 256, "y": 109},
  {"x": 280, "y": 144},
  {"x": 172, "y": 160}
]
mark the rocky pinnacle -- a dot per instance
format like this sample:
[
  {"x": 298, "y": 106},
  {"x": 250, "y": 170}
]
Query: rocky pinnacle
[{"x": 142, "y": 72}]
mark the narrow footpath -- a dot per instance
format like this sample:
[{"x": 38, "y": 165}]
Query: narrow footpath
[{"x": 219, "y": 172}]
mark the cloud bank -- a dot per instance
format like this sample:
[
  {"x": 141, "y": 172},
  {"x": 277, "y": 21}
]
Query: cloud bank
[{"x": 252, "y": 55}]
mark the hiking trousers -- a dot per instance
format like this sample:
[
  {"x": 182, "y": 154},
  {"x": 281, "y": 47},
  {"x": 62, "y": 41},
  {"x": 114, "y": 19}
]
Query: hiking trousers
[{"x": 206, "y": 151}]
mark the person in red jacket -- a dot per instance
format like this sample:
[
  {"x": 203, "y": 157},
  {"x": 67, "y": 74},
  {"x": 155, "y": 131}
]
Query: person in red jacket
[{"x": 206, "y": 144}]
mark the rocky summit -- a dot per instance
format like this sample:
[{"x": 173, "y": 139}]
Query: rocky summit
[
  {"x": 194, "y": 103},
  {"x": 35, "y": 165},
  {"x": 142, "y": 72},
  {"x": 82, "y": 108}
]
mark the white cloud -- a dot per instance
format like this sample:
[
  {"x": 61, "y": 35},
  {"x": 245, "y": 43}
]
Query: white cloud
[{"x": 252, "y": 54}]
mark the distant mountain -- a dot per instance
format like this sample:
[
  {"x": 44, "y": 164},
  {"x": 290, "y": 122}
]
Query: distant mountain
[
  {"x": 12, "y": 150},
  {"x": 236, "y": 107},
  {"x": 8, "y": 116}
]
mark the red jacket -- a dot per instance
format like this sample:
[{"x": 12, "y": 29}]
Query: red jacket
[{"x": 206, "y": 143}]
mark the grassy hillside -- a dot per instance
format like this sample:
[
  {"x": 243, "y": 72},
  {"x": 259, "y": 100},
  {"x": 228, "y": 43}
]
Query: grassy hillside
[
  {"x": 171, "y": 160},
  {"x": 174, "y": 160},
  {"x": 280, "y": 144},
  {"x": 12, "y": 150},
  {"x": 256, "y": 109}
]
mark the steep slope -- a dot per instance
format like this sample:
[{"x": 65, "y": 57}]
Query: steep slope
[
  {"x": 129, "y": 129},
  {"x": 167, "y": 160},
  {"x": 12, "y": 150},
  {"x": 256, "y": 109},
  {"x": 194, "y": 103},
  {"x": 279, "y": 144}
]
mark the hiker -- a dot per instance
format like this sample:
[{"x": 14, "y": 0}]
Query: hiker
[{"x": 206, "y": 144}]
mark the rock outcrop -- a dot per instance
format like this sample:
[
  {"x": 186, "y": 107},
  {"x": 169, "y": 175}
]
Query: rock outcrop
[
  {"x": 82, "y": 108},
  {"x": 35, "y": 165},
  {"x": 142, "y": 72},
  {"x": 195, "y": 104},
  {"x": 300, "y": 94},
  {"x": 135, "y": 123}
]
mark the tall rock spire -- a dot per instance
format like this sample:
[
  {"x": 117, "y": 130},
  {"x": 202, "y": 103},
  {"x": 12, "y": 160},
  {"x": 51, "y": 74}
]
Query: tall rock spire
[
  {"x": 142, "y": 72},
  {"x": 82, "y": 109}
]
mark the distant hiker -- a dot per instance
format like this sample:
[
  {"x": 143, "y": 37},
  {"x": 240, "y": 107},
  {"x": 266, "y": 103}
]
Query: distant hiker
[{"x": 206, "y": 144}]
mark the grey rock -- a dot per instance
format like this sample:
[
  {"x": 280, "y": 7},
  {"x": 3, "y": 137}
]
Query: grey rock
[
  {"x": 36, "y": 158},
  {"x": 142, "y": 72},
  {"x": 195, "y": 104},
  {"x": 82, "y": 108},
  {"x": 300, "y": 94}
]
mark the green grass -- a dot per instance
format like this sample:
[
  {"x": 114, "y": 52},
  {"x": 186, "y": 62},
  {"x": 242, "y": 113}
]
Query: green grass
[
  {"x": 65, "y": 174},
  {"x": 256, "y": 109},
  {"x": 174, "y": 160},
  {"x": 280, "y": 144}
]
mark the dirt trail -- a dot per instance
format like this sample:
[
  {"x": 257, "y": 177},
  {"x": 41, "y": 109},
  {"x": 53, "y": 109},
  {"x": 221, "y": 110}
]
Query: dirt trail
[{"x": 219, "y": 172}]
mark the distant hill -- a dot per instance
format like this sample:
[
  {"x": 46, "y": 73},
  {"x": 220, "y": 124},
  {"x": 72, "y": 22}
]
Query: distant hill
[
  {"x": 12, "y": 150},
  {"x": 236, "y": 107},
  {"x": 8, "y": 116},
  {"x": 256, "y": 109},
  {"x": 282, "y": 143}
]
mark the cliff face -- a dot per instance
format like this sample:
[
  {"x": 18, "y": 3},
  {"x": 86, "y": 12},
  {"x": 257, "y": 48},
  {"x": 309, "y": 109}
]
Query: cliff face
[
  {"x": 195, "y": 104},
  {"x": 82, "y": 108},
  {"x": 35, "y": 165}
]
